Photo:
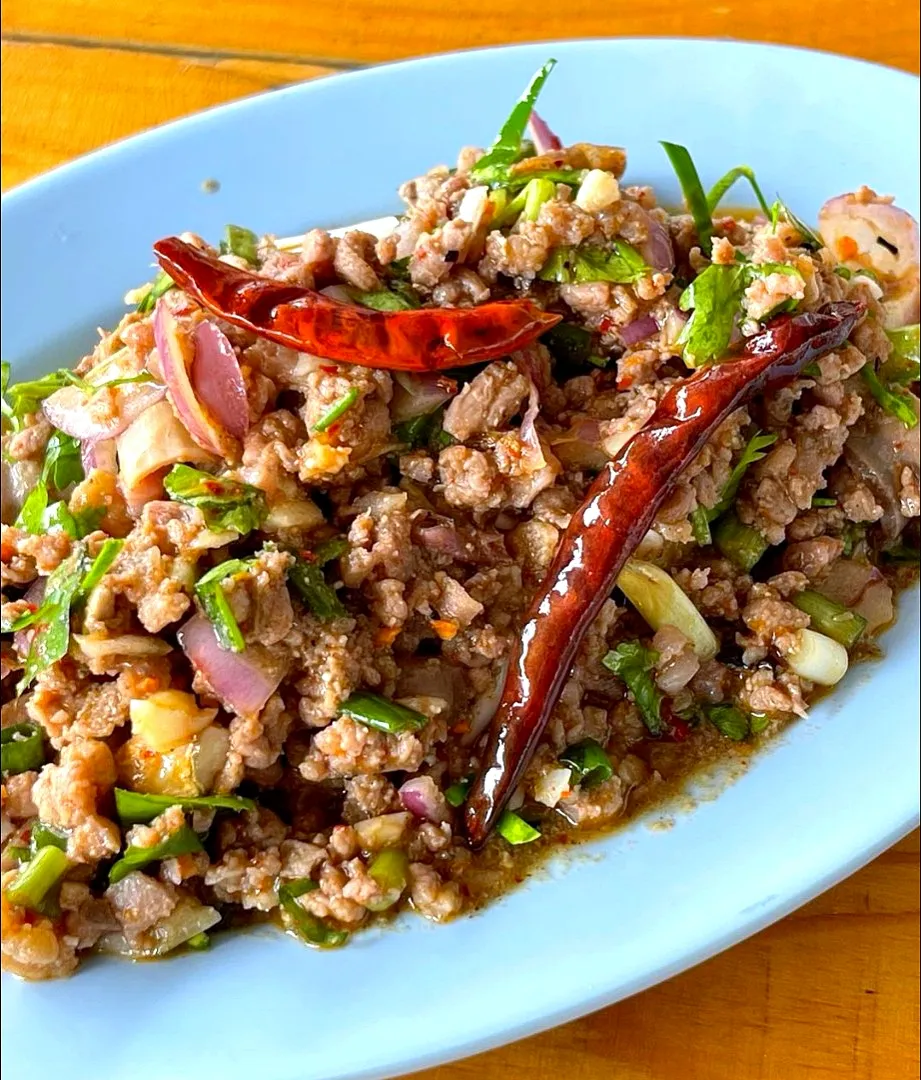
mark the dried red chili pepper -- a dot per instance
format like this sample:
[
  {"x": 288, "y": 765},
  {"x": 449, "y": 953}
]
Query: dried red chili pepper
[
  {"x": 618, "y": 511},
  {"x": 424, "y": 339}
]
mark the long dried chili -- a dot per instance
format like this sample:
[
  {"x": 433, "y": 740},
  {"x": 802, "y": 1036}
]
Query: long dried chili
[
  {"x": 619, "y": 509},
  {"x": 425, "y": 339}
]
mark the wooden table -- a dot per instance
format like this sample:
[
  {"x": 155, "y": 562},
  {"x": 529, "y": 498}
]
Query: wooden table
[{"x": 829, "y": 992}]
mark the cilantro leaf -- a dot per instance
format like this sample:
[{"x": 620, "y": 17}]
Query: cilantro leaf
[
  {"x": 715, "y": 296},
  {"x": 578, "y": 265},
  {"x": 894, "y": 400},
  {"x": 160, "y": 285},
  {"x": 63, "y": 465},
  {"x": 224, "y": 503},
  {"x": 633, "y": 662},
  {"x": 243, "y": 243},
  {"x": 216, "y": 606}
]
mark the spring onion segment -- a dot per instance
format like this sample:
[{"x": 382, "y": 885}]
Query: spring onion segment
[
  {"x": 818, "y": 658},
  {"x": 306, "y": 925},
  {"x": 831, "y": 618},
  {"x": 662, "y": 602},
  {"x": 133, "y": 808}
]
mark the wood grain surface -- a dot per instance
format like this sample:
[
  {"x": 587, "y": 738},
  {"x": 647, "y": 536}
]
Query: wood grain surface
[{"x": 831, "y": 991}]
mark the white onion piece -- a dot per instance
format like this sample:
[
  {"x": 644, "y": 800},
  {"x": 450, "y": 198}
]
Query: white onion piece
[
  {"x": 662, "y": 602},
  {"x": 241, "y": 680},
  {"x": 417, "y": 395},
  {"x": 543, "y": 137},
  {"x": 528, "y": 433},
  {"x": 153, "y": 443},
  {"x": 186, "y": 920},
  {"x": 218, "y": 381},
  {"x": 639, "y": 330},
  {"x": 422, "y": 798},
  {"x": 816, "y": 657},
  {"x": 552, "y": 785}
]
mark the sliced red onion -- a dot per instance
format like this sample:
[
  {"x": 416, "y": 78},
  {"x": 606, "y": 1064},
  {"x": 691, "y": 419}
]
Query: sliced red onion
[
  {"x": 218, "y": 381},
  {"x": 177, "y": 351},
  {"x": 102, "y": 416},
  {"x": 639, "y": 330},
  {"x": 98, "y": 454},
  {"x": 657, "y": 250},
  {"x": 418, "y": 395},
  {"x": 544, "y": 139},
  {"x": 242, "y": 681},
  {"x": 443, "y": 539},
  {"x": 421, "y": 797},
  {"x": 528, "y": 433}
]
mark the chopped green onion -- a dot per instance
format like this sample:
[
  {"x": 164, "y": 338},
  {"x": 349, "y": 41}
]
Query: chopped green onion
[
  {"x": 633, "y": 662},
  {"x": 214, "y": 602},
  {"x": 380, "y": 713},
  {"x": 538, "y": 191},
  {"x": 579, "y": 265},
  {"x": 700, "y": 525},
  {"x": 35, "y": 880},
  {"x": 831, "y": 618},
  {"x": 22, "y": 748},
  {"x": 515, "y": 830},
  {"x": 729, "y": 721},
  {"x": 42, "y": 835},
  {"x": 389, "y": 868},
  {"x": 199, "y": 942},
  {"x": 492, "y": 167},
  {"x": 331, "y": 549},
  {"x": 224, "y": 503},
  {"x": 904, "y": 363},
  {"x": 741, "y": 544},
  {"x": 718, "y": 192},
  {"x": 759, "y": 722},
  {"x": 134, "y": 808},
  {"x": 181, "y": 842},
  {"x": 693, "y": 191},
  {"x": 821, "y": 501},
  {"x": 320, "y": 597},
  {"x": 589, "y": 763},
  {"x": 338, "y": 410},
  {"x": 456, "y": 794},
  {"x": 307, "y": 926},
  {"x": 662, "y": 602},
  {"x": 243, "y": 243},
  {"x": 160, "y": 285},
  {"x": 897, "y": 402}
]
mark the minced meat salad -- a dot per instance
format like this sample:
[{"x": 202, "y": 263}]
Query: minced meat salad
[{"x": 348, "y": 572}]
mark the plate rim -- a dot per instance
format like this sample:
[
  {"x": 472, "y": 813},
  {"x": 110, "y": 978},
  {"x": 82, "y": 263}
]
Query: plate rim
[{"x": 763, "y": 916}]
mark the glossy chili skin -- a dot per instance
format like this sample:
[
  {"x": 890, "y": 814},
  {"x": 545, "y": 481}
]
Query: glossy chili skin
[
  {"x": 618, "y": 511},
  {"x": 426, "y": 339}
]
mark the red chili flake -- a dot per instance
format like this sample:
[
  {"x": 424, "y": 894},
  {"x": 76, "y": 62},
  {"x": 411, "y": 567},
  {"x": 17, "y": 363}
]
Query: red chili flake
[
  {"x": 329, "y": 369},
  {"x": 605, "y": 324}
]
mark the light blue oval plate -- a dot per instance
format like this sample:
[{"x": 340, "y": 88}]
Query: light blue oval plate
[{"x": 642, "y": 904}]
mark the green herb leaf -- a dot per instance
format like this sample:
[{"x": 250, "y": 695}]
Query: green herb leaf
[
  {"x": 819, "y": 501},
  {"x": 390, "y": 869},
  {"x": 903, "y": 366},
  {"x": 570, "y": 346},
  {"x": 108, "y": 553},
  {"x": 589, "y": 763},
  {"x": 182, "y": 842},
  {"x": 52, "y": 619},
  {"x": 492, "y": 167},
  {"x": 37, "y": 878},
  {"x": 6, "y": 409},
  {"x": 160, "y": 285},
  {"x": 897, "y": 402},
  {"x": 715, "y": 296},
  {"x": 307, "y": 926},
  {"x": 320, "y": 597},
  {"x": 25, "y": 398},
  {"x": 199, "y": 942},
  {"x": 216, "y": 606},
  {"x": 633, "y": 662},
  {"x": 224, "y": 503},
  {"x": 241, "y": 242},
  {"x": 578, "y": 265},
  {"x": 398, "y": 298},
  {"x": 41, "y": 835},
  {"x": 515, "y": 830},
  {"x": 381, "y": 713},
  {"x": 31, "y": 516},
  {"x": 62, "y": 466},
  {"x": 22, "y": 748},
  {"x": 755, "y": 450},
  {"x": 134, "y": 808},
  {"x": 729, "y": 721},
  {"x": 811, "y": 240},
  {"x": 693, "y": 191},
  {"x": 338, "y": 410}
]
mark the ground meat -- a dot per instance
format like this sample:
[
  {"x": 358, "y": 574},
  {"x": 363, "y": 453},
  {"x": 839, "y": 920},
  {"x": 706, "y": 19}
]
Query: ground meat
[
  {"x": 354, "y": 261},
  {"x": 70, "y": 709},
  {"x": 367, "y": 797},
  {"x": 140, "y": 902},
  {"x": 487, "y": 402},
  {"x": 677, "y": 663},
  {"x": 259, "y": 739},
  {"x": 812, "y": 557},
  {"x": 69, "y": 794},
  {"x": 348, "y": 748},
  {"x": 31, "y": 947},
  {"x": 431, "y": 896}
]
